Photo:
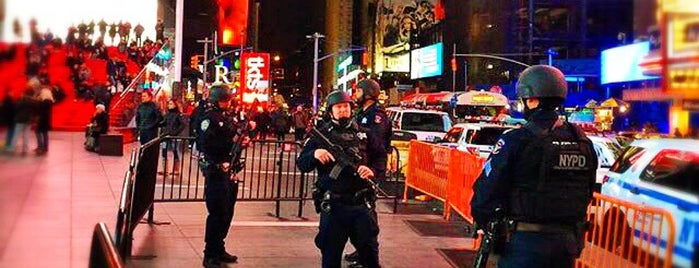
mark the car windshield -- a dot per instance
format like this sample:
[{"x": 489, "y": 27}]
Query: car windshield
[
  {"x": 487, "y": 136},
  {"x": 422, "y": 122},
  {"x": 627, "y": 159},
  {"x": 453, "y": 135}
]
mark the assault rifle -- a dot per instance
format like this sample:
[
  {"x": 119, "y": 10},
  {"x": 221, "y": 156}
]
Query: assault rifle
[
  {"x": 343, "y": 160},
  {"x": 237, "y": 149},
  {"x": 493, "y": 230}
]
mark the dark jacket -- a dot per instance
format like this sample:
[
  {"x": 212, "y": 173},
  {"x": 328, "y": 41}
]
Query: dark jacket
[
  {"x": 25, "y": 110},
  {"x": 148, "y": 117},
  {"x": 173, "y": 124},
  {"x": 7, "y": 111},
  {"x": 43, "y": 113},
  {"x": 101, "y": 122}
]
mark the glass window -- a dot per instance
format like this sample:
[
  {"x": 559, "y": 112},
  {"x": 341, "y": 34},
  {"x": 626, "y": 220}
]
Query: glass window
[
  {"x": 627, "y": 159},
  {"x": 487, "y": 136},
  {"x": 422, "y": 122},
  {"x": 675, "y": 169},
  {"x": 453, "y": 135}
]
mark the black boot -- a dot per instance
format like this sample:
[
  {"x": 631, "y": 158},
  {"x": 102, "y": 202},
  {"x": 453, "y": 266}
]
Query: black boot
[
  {"x": 352, "y": 257},
  {"x": 228, "y": 258}
]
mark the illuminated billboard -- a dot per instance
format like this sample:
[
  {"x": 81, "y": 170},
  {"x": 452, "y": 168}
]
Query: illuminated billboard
[
  {"x": 232, "y": 21},
  {"x": 622, "y": 64},
  {"x": 254, "y": 77},
  {"x": 426, "y": 61}
]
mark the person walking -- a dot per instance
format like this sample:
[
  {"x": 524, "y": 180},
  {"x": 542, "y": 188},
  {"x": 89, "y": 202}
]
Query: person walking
[
  {"x": 44, "y": 109},
  {"x": 148, "y": 118},
  {"x": 23, "y": 119}
]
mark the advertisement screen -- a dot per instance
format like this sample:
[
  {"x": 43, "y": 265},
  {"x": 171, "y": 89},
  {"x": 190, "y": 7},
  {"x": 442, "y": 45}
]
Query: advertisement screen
[
  {"x": 397, "y": 19},
  {"x": 254, "y": 77},
  {"x": 621, "y": 64},
  {"x": 426, "y": 61},
  {"x": 232, "y": 21}
]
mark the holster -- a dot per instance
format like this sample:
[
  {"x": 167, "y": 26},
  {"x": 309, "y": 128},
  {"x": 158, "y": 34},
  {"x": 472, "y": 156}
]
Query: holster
[{"x": 317, "y": 196}]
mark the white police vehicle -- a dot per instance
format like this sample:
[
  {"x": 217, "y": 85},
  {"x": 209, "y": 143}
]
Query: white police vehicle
[
  {"x": 607, "y": 151},
  {"x": 427, "y": 125},
  {"x": 662, "y": 173},
  {"x": 477, "y": 138}
]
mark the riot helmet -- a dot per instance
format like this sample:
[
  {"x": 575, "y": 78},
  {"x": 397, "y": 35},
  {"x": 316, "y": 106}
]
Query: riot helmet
[
  {"x": 370, "y": 90},
  {"x": 542, "y": 81},
  {"x": 337, "y": 97},
  {"x": 220, "y": 92}
]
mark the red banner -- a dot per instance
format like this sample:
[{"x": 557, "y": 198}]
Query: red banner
[
  {"x": 232, "y": 21},
  {"x": 254, "y": 77}
]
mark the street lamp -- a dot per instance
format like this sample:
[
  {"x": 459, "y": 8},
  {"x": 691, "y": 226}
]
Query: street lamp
[{"x": 276, "y": 58}]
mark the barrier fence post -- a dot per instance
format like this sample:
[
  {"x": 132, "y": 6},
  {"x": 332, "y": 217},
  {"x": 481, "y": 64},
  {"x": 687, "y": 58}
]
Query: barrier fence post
[{"x": 279, "y": 179}]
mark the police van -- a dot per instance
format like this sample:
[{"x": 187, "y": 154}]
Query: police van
[
  {"x": 479, "y": 138},
  {"x": 661, "y": 173},
  {"x": 427, "y": 125}
]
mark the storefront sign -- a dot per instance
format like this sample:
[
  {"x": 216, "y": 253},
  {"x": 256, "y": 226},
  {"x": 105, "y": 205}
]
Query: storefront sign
[
  {"x": 255, "y": 77},
  {"x": 426, "y": 61}
]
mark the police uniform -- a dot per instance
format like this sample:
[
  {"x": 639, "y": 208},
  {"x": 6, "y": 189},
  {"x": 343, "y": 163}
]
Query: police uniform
[
  {"x": 215, "y": 140},
  {"x": 542, "y": 175},
  {"x": 349, "y": 209},
  {"x": 374, "y": 119}
]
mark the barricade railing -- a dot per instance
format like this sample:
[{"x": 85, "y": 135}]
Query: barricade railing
[
  {"x": 445, "y": 174},
  {"x": 103, "y": 253},
  {"x": 624, "y": 234},
  {"x": 270, "y": 173}
]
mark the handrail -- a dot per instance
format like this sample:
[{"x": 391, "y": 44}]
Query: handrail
[
  {"x": 102, "y": 251},
  {"x": 135, "y": 79}
]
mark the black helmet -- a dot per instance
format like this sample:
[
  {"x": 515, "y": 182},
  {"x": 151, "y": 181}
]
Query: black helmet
[
  {"x": 370, "y": 89},
  {"x": 219, "y": 92},
  {"x": 337, "y": 96},
  {"x": 542, "y": 81}
]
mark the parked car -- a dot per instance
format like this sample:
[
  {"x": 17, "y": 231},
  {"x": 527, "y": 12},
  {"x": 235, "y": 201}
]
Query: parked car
[
  {"x": 607, "y": 151},
  {"x": 427, "y": 125},
  {"x": 661, "y": 173},
  {"x": 474, "y": 137}
]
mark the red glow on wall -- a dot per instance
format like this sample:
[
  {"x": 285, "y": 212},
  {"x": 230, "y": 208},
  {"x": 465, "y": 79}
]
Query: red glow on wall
[{"x": 232, "y": 21}]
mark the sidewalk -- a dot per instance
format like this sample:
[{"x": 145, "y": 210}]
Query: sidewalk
[{"x": 49, "y": 205}]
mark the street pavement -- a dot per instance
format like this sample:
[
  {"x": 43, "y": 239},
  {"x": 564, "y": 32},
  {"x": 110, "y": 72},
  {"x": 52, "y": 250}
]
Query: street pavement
[{"x": 49, "y": 205}]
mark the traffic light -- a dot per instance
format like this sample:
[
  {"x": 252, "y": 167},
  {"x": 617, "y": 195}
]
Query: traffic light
[
  {"x": 453, "y": 64},
  {"x": 194, "y": 62}
]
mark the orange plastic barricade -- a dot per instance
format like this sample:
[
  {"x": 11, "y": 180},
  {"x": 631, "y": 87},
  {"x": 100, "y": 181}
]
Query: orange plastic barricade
[
  {"x": 625, "y": 234},
  {"x": 428, "y": 168},
  {"x": 464, "y": 169}
]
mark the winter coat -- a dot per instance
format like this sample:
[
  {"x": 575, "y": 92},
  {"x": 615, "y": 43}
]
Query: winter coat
[{"x": 174, "y": 125}]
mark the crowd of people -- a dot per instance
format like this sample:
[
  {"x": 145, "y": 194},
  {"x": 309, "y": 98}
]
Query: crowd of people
[{"x": 31, "y": 110}]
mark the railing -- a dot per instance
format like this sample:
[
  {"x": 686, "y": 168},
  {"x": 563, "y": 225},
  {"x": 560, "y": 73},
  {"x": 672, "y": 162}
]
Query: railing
[
  {"x": 103, "y": 253},
  {"x": 627, "y": 234}
]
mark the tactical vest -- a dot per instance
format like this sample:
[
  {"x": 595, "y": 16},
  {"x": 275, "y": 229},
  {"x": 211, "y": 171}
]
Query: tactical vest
[
  {"x": 349, "y": 139},
  {"x": 557, "y": 184}
]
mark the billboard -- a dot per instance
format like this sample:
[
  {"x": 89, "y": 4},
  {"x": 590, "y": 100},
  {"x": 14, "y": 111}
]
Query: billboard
[
  {"x": 426, "y": 61},
  {"x": 622, "y": 64},
  {"x": 232, "y": 21},
  {"x": 397, "y": 19},
  {"x": 254, "y": 77}
]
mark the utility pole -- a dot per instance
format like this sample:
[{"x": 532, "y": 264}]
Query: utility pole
[
  {"x": 315, "y": 38},
  {"x": 206, "y": 42}
]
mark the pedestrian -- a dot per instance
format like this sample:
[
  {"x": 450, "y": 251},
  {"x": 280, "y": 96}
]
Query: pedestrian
[
  {"x": 159, "y": 30},
  {"x": 173, "y": 126},
  {"x": 102, "y": 26},
  {"x": 216, "y": 136},
  {"x": 148, "y": 118},
  {"x": 344, "y": 199},
  {"x": 372, "y": 117},
  {"x": 24, "y": 114},
  {"x": 300, "y": 123},
  {"x": 7, "y": 115},
  {"x": 529, "y": 176},
  {"x": 43, "y": 124},
  {"x": 113, "y": 31},
  {"x": 138, "y": 31},
  {"x": 99, "y": 124},
  {"x": 280, "y": 123}
]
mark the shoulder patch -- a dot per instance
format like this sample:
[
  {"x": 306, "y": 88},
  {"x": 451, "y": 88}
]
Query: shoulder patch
[
  {"x": 204, "y": 125},
  {"x": 498, "y": 146},
  {"x": 361, "y": 135},
  {"x": 487, "y": 168},
  {"x": 364, "y": 120},
  {"x": 220, "y": 124},
  {"x": 377, "y": 119}
]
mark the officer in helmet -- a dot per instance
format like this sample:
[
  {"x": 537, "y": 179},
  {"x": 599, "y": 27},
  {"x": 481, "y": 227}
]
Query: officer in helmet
[
  {"x": 371, "y": 116},
  {"x": 347, "y": 210},
  {"x": 216, "y": 135},
  {"x": 541, "y": 176}
]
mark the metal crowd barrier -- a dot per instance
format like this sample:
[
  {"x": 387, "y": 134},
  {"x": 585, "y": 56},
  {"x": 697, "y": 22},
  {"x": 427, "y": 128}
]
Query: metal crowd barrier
[
  {"x": 625, "y": 234},
  {"x": 103, "y": 253}
]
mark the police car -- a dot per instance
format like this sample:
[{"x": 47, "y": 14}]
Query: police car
[
  {"x": 478, "y": 138},
  {"x": 607, "y": 151},
  {"x": 425, "y": 124},
  {"x": 662, "y": 173}
]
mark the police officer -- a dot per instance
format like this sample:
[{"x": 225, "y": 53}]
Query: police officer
[
  {"x": 347, "y": 201},
  {"x": 215, "y": 138},
  {"x": 372, "y": 117},
  {"x": 541, "y": 175}
]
